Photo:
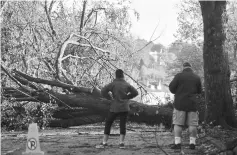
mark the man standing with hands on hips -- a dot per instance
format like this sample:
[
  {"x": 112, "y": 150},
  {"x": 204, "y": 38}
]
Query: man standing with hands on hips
[
  {"x": 120, "y": 92},
  {"x": 185, "y": 85}
]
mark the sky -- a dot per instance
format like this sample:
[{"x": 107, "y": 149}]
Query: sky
[{"x": 152, "y": 13}]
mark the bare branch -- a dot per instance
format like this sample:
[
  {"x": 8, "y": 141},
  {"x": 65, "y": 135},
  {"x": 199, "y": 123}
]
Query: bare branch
[
  {"x": 85, "y": 70},
  {"x": 75, "y": 57},
  {"x": 49, "y": 19},
  {"x": 96, "y": 16},
  {"x": 15, "y": 80},
  {"x": 25, "y": 82},
  {"x": 25, "y": 62},
  {"x": 82, "y": 16},
  {"x": 113, "y": 37},
  {"x": 154, "y": 30},
  {"x": 101, "y": 68},
  {"x": 49, "y": 34},
  {"x": 69, "y": 40},
  {"x": 59, "y": 57},
  {"x": 49, "y": 66},
  {"x": 3, "y": 7},
  {"x": 55, "y": 83},
  {"x": 90, "y": 44},
  {"x": 38, "y": 68},
  {"x": 147, "y": 43},
  {"x": 67, "y": 79},
  {"x": 28, "y": 93},
  {"x": 51, "y": 6},
  {"x": 90, "y": 14}
]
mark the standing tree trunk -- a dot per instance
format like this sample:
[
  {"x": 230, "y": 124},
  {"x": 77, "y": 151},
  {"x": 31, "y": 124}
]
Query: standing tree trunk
[{"x": 216, "y": 66}]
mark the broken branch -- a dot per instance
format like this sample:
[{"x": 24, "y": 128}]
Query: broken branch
[{"x": 55, "y": 83}]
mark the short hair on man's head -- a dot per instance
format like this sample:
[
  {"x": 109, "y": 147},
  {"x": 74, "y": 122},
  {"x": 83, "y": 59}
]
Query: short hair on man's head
[
  {"x": 187, "y": 64},
  {"x": 119, "y": 73}
]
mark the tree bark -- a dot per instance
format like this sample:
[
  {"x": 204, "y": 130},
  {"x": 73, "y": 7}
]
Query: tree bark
[
  {"x": 63, "y": 113},
  {"x": 216, "y": 67},
  {"x": 139, "y": 112},
  {"x": 76, "y": 121},
  {"x": 95, "y": 108},
  {"x": 49, "y": 82}
]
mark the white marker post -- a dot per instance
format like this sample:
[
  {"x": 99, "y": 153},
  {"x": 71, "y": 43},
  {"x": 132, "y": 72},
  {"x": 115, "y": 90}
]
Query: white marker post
[{"x": 33, "y": 145}]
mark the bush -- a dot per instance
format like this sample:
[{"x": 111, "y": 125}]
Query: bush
[{"x": 18, "y": 116}]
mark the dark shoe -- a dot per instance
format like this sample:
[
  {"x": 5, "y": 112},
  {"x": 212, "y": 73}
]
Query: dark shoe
[
  {"x": 192, "y": 146},
  {"x": 121, "y": 146},
  {"x": 176, "y": 146},
  {"x": 101, "y": 146}
]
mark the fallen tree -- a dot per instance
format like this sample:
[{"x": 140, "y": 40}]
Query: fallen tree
[
  {"x": 81, "y": 105},
  {"x": 94, "y": 106}
]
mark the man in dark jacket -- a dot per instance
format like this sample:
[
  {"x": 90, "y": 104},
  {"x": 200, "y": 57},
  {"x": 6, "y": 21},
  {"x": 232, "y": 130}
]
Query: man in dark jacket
[
  {"x": 185, "y": 85},
  {"x": 120, "y": 92}
]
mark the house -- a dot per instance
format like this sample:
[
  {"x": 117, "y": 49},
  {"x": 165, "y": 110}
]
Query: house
[{"x": 158, "y": 93}]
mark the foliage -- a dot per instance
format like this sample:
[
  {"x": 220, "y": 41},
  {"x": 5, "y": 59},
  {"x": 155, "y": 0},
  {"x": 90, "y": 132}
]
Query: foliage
[
  {"x": 190, "y": 27},
  {"x": 189, "y": 21},
  {"x": 17, "y": 116},
  {"x": 189, "y": 38},
  {"x": 231, "y": 43},
  {"x": 32, "y": 43},
  {"x": 185, "y": 52},
  {"x": 33, "y": 33}
]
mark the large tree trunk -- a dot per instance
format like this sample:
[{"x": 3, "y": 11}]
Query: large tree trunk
[
  {"x": 216, "y": 68},
  {"x": 139, "y": 112},
  {"x": 76, "y": 121},
  {"x": 81, "y": 105},
  {"x": 84, "y": 108}
]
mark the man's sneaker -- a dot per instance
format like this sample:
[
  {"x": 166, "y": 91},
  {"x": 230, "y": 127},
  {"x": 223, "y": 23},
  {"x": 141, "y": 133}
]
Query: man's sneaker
[
  {"x": 192, "y": 146},
  {"x": 121, "y": 146},
  {"x": 101, "y": 146},
  {"x": 176, "y": 146}
]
